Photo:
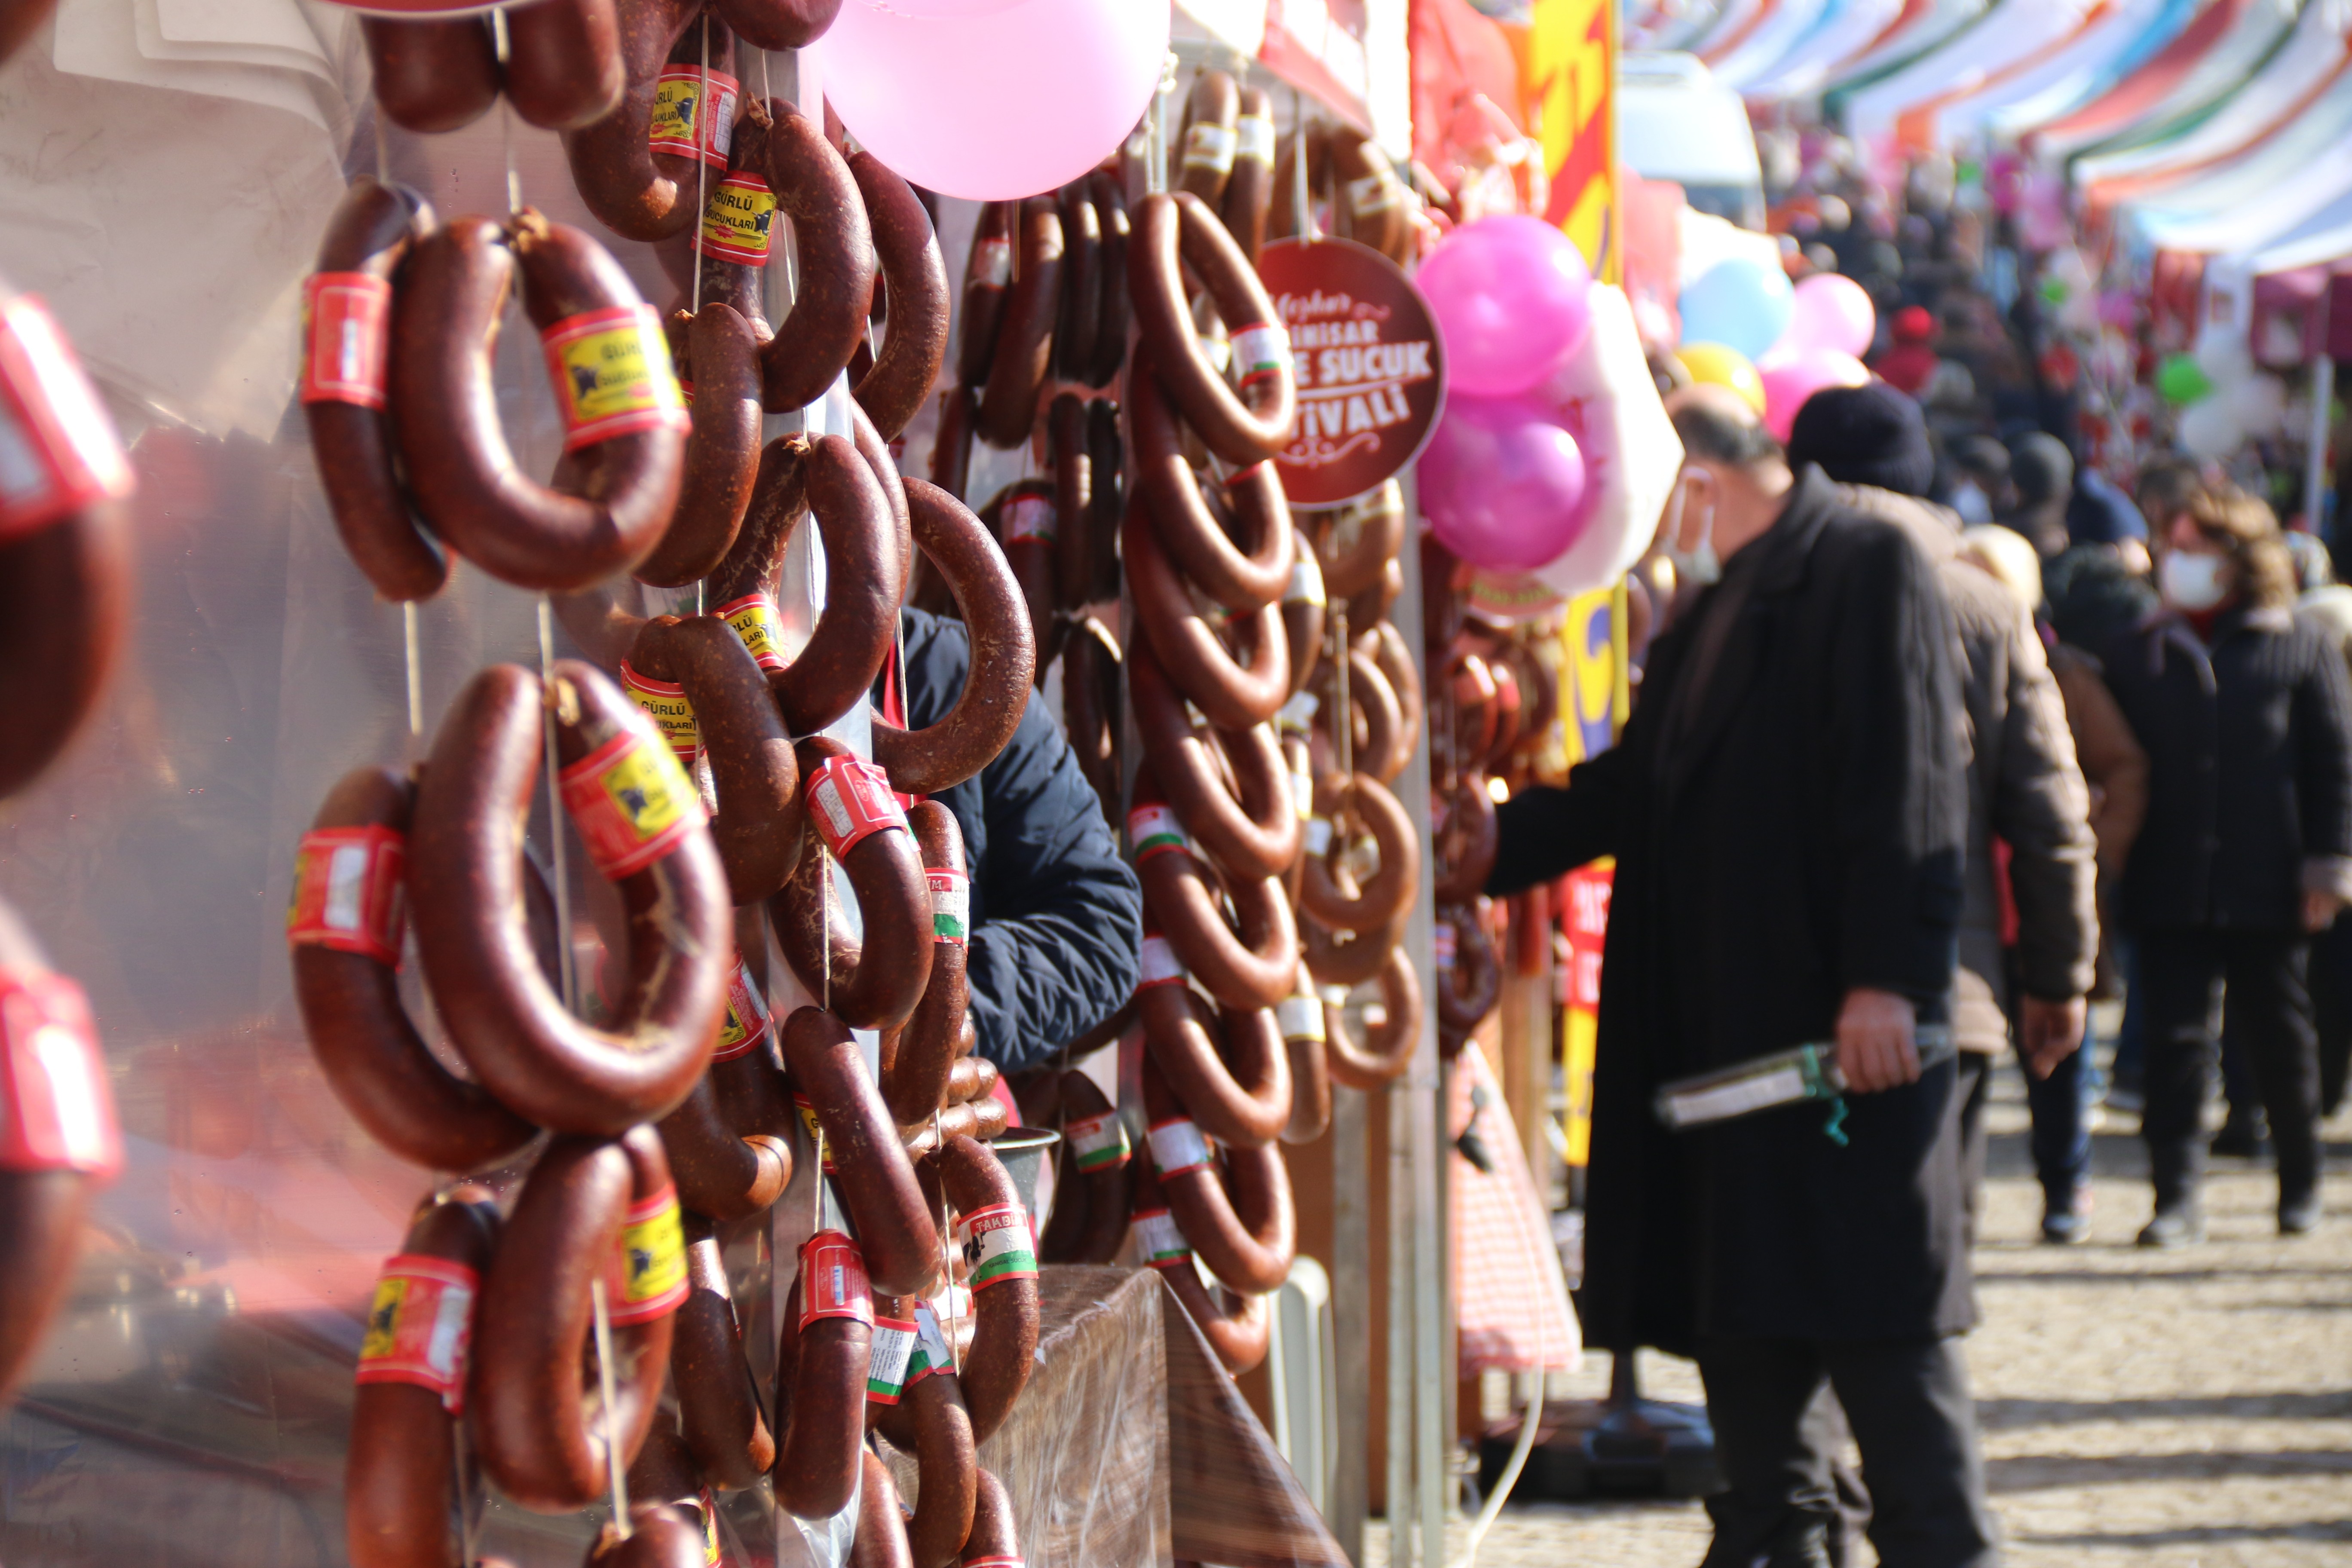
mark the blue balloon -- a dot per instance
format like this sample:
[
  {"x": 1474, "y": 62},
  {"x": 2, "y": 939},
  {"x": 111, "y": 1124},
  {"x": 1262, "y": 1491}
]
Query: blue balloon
[{"x": 1740, "y": 303}]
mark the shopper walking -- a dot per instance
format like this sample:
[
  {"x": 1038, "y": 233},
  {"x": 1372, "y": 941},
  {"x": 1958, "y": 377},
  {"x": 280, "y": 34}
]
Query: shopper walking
[
  {"x": 2246, "y": 715},
  {"x": 1788, "y": 809}
]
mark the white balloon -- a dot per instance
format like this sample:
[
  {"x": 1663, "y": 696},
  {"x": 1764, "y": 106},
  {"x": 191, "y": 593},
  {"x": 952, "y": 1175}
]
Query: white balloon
[
  {"x": 2258, "y": 404},
  {"x": 2209, "y": 429}
]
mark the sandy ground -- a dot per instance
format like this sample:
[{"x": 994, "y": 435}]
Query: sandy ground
[{"x": 2188, "y": 1409}]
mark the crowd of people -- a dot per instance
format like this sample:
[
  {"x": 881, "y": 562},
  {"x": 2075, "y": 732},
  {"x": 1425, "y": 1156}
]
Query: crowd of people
[{"x": 1948, "y": 722}]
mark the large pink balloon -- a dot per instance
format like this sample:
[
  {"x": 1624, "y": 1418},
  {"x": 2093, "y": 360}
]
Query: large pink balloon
[
  {"x": 1503, "y": 484},
  {"x": 1833, "y": 312},
  {"x": 991, "y": 99},
  {"x": 1509, "y": 293},
  {"x": 1790, "y": 378}
]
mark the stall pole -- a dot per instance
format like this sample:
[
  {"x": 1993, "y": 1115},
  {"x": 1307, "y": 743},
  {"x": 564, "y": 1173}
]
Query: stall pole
[
  {"x": 1351, "y": 1326},
  {"x": 1399, "y": 1491},
  {"x": 2323, "y": 398}
]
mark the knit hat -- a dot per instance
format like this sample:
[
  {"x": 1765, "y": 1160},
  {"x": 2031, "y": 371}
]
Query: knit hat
[
  {"x": 2041, "y": 468},
  {"x": 1870, "y": 434},
  {"x": 1913, "y": 325}
]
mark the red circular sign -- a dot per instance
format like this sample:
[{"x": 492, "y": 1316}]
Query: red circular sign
[{"x": 1370, "y": 368}]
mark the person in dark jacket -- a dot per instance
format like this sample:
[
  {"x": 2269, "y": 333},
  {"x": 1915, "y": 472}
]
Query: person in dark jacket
[
  {"x": 1056, "y": 913},
  {"x": 2246, "y": 715},
  {"x": 1788, "y": 808}
]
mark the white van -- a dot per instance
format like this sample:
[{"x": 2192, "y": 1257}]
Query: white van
[{"x": 1676, "y": 122}]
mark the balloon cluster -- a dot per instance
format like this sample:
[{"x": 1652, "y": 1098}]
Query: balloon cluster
[
  {"x": 2224, "y": 399},
  {"x": 1746, "y": 328}
]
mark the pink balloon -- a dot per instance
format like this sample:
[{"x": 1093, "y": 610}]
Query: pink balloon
[
  {"x": 991, "y": 99},
  {"x": 1833, "y": 311},
  {"x": 1503, "y": 484},
  {"x": 1790, "y": 378},
  {"x": 1509, "y": 293}
]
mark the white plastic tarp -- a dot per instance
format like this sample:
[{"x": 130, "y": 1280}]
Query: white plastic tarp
[
  {"x": 2266, "y": 192},
  {"x": 1931, "y": 29},
  {"x": 2011, "y": 36},
  {"x": 1769, "y": 40},
  {"x": 1843, "y": 31},
  {"x": 2237, "y": 55},
  {"x": 1731, "y": 20},
  {"x": 2325, "y": 236},
  {"x": 2078, "y": 73}
]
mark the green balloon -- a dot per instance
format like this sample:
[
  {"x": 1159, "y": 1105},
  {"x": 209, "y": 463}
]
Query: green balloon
[{"x": 2182, "y": 379}]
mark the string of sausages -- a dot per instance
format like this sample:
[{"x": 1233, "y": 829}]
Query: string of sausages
[{"x": 688, "y": 756}]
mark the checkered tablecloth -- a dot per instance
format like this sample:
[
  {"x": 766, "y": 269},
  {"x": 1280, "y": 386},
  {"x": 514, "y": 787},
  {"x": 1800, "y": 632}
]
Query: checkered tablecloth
[{"x": 1510, "y": 1301}]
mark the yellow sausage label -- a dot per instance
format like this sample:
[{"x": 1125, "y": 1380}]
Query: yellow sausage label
[
  {"x": 651, "y": 1262},
  {"x": 755, "y": 621},
  {"x": 612, "y": 376},
  {"x": 666, "y": 704},
  {"x": 419, "y": 1327},
  {"x": 737, "y": 219},
  {"x": 694, "y": 114},
  {"x": 630, "y": 802}
]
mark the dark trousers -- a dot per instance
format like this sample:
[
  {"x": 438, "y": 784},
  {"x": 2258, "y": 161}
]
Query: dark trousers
[
  {"x": 2060, "y": 1105},
  {"x": 1775, "y": 1408},
  {"x": 2182, "y": 975},
  {"x": 2331, "y": 1004}
]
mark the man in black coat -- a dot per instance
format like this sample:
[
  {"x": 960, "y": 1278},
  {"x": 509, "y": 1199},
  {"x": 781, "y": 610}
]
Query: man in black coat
[
  {"x": 1788, "y": 808},
  {"x": 1056, "y": 913}
]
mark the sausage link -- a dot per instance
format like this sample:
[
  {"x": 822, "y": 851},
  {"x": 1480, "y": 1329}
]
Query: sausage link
[
  {"x": 871, "y": 446},
  {"x": 1379, "y": 900},
  {"x": 1339, "y": 958},
  {"x": 995, "y": 1540},
  {"x": 1108, "y": 193},
  {"x": 754, "y": 774},
  {"x": 1074, "y": 507},
  {"x": 881, "y": 1539},
  {"x": 1304, "y": 603},
  {"x": 1024, "y": 340},
  {"x": 1104, "y": 1189},
  {"x": 1080, "y": 308},
  {"x": 932, "y": 1421},
  {"x": 1381, "y": 744},
  {"x": 951, "y": 448},
  {"x": 372, "y": 1056},
  {"x": 719, "y": 1173},
  {"x": 1467, "y": 841},
  {"x": 1021, "y": 519},
  {"x": 1236, "y": 1326},
  {"x": 1240, "y": 1220},
  {"x": 1255, "y": 835},
  {"x": 590, "y": 1207},
  {"x": 872, "y": 983},
  {"x": 1194, "y": 540},
  {"x": 660, "y": 1536},
  {"x": 1005, "y": 1308},
  {"x": 1202, "y": 159},
  {"x": 445, "y": 322},
  {"x": 717, "y": 1405},
  {"x": 1231, "y": 1074},
  {"x": 1371, "y": 196},
  {"x": 513, "y": 1030},
  {"x": 563, "y": 67},
  {"x": 914, "y": 1074},
  {"x": 885, "y": 1200},
  {"x": 368, "y": 239},
  {"x": 399, "y": 1474},
  {"x": 987, "y": 272},
  {"x": 722, "y": 450},
  {"x": 970, "y": 1078},
  {"x": 432, "y": 76},
  {"x": 821, "y": 1366},
  {"x": 1305, "y": 1034},
  {"x": 1171, "y": 234},
  {"x": 832, "y": 244},
  {"x": 1374, "y": 603},
  {"x": 1390, "y": 655},
  {"x": 632, "y": 190},
  {"x": 1232, "y": 695},
  {"x": 1254, "y": 969},
  {"x": 915, "y": 280},
  {"x": 1090, "y": 683},
  {"x": 1107, "y": 457},
  {"x": 774, "y": 25},
  {"x": 1467, "y": 988},
  {"x": 1359, "y": 539},
  {"x": 1387, "y": 1049},
  {"x": 1249, "y": 191}
]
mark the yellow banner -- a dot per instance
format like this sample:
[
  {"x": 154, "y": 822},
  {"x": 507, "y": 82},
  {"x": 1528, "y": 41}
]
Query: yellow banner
[
  {"x": 1595, "y": 695},
  {"x": 1572, "y": 75}
]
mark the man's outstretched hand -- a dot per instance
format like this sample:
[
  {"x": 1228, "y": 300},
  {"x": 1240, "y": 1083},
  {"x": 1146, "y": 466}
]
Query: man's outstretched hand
[
  {"x": 1875, "y": 1046},
  {"x": 2053, "y": 1031}
]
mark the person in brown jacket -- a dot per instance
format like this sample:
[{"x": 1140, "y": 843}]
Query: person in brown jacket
[{"x": 2028, "y": 809}]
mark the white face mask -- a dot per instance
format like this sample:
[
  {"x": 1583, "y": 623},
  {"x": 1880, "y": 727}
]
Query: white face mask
[
  {"x": 2194, "y": 581},
  {"x": 1971, "y": 504},
  {"x": 1698, "y": 565}
]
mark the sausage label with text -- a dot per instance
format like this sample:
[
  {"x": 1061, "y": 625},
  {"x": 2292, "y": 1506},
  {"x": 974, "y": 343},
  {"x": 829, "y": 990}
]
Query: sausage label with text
[
  {"x": 612, "y": 373},
  {"x": 63, "y": 452},
  {"x": 346, "y": 332},
  {"x": 419, "y": 1326},
  {"x": 58, "y": 1107},
  {"x": 694, "y": 114},
  {"x": 996, "y": 1244},
  {"x": 349, "y": 891},
  {"x": 632, "y": 803},
  {"x": 647, "y": 1277}
]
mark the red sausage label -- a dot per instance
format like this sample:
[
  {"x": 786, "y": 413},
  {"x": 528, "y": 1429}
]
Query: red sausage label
[
  {"x": 755, "y": 621},
  {"x": 346, "y": 327},
  {"x": 694, "y": 114},
  {"x": 951, "y": 905},
  {"x": 419, "y": 1326},
  {"x": 613, "y": 377},
  {"x": 350, "y": 891},
  {"x": 56, "y": 1109},
  {"x": 646, "y": 1277},
  {"x": 833, "y": 1280},
  {"x": 1162, "y": 1245},
  {"x": 747, "y": 1017},
  {"x": 1177, "y": 1146},
  {"x": 664, "y": 703},
  {"x": 997, "y": 1245},
  {"x": 852, "y": 801},
  {"x": 59, "y": 449},
  {"x": 632, "y": 803}
]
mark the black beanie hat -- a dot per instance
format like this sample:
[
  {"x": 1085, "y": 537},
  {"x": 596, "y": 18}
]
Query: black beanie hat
[{"x": 1870, "y": 434}]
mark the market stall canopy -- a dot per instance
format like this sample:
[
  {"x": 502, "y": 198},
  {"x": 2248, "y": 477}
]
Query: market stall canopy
[
  {"x": 1733, "y": 21},
  {"x": 2012, "y": 37},
  {"x": 2292, "y": 173},
  {"x": 2324, "y": 237},
  {"x": 2294, "y": 74},
  {"x": 1843, "y": 32},
  {"x": 1924, "y": 26},
  {"x": 1767, "y": 40},
  {"x": 2100, "y": 57},
  {"x": 1673, "y": 24},
  {"x": 2182, "y": 68}
]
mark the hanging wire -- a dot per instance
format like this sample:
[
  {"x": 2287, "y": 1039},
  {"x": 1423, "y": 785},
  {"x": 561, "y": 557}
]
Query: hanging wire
[
  {"x": 701, "y": 167},
  {"x": 615, "y": 1468},
  {"x": 505, "y": 113},
  {"x": 416, "y": 670},
  {"x": 567, "y": 967}
]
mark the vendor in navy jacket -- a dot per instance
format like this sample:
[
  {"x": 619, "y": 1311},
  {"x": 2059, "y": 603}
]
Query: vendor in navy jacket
[{"x": 1056, "y": 913}]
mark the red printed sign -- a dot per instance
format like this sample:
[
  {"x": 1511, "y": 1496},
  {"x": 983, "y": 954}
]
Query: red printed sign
[
  {"x": 1369, "y": 367},
  {"x": 57, "y": 1106},
  {"x": 59, "y": 449}
]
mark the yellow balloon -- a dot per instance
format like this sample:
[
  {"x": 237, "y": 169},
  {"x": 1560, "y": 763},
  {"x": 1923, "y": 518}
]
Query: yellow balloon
[{"x": 1723, "y": 367}]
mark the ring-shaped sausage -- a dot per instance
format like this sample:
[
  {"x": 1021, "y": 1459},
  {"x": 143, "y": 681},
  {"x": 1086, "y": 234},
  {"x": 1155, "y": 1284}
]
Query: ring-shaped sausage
[
  {"x": 661, "y": 1535},
  {"x": 1304, "y": 607},
  {"x": 1004, "y": 1305},
  {"x": 774, "y": 25},
  {"x": 919, "y": 1062},
  {"x": 720, "y": 1174},
  {"x": 1094, "y": 1176},
  {"x": 931, "y": 1421},
  {"x": 719, "y": 1418},
  {"x": 1386, "y": 646},
  {"x": 1025, "y": 339},
  {"x": 885, "y": 1200},
  {"x": 1387, "y": 1049},
  {"x": 754, "y": 774},
  {"x": 882, "y": 1537},
  {"x": 1356, "y": 541},
  {"x": 1230, "y": 1073},
  {"x": 832, "y": 244},
  {"x": 997, "y": 685},
  {"x": 821, "y": 1366},
  {"x": 1172, "y": 234},
  {"x": 346, "y": 981},
  {"x": 873, "y": 981},
  {"x": 1205, "y": 149},
  {"x": 1339, "y": 958},
  {"x": 1232, "y": 696},
  {"x": 368, "y": 241},
  {"x": 586, "y": 1201},
  {"x": 632, "y": 189},
  {"x": 1381, "y": 747},
  {"x": 1195, "y": 540},
  {"x": 723, "y": 449},
  {"x": 1465, "y": 844},
  {"x": 994, "y": 1540},
  {"x": 980, "y": 315},
  {"x": 563, "y": 64},
  {"x": 431, "y": 76},
  {"x": 1112, "y": 313},
  {"x": 915, "y": 280},
  {"x": 1252, "y": 969},
  {"x": 1081, "y": 285},
  {"x": 1377, "y": 901},
  {"x": 1237, "y": 1327},
  {"x": 1374, "y": 603},
  {"x": 1073, "y": 500},
  {"x": 1468, "y": 987},
  {"x": 1239, "y": 1219},
  {"x": 444, "y": 409},
  {"x": 1255, "y": 835},
  {"x": 1022, "y": 518},
  {"x": 1249, "y": 190},
  {"x": 399, "y": 1474},
  {"x": 623, "y": 788}
]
